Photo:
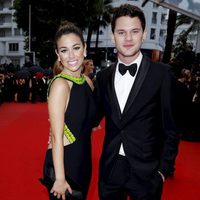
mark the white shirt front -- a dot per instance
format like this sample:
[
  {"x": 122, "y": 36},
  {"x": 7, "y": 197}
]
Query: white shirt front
[{"x": 123, "y": 85}]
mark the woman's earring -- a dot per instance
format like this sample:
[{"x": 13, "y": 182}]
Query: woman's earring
[{"x": 85, "y": 54}]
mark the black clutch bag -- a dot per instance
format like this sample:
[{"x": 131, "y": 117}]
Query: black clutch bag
[{"x": 49, "y": 178}]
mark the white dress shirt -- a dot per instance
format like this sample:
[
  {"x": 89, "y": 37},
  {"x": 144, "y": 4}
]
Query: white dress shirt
[{"x": 123, "y": 85}]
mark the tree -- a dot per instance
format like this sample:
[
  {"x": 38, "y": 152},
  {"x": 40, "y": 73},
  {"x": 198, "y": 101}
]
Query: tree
[
  {"x": 171, "y": 24},
  {"x": 182, "y": 49},
  {"x": 104, "y": 17},
  {"x": 183, "y": 54},
  {"x": 174, "y": 22},
  {"x": 193, "y": 24},
  {"x": 99, "y": 15},
  {"x": 46, "y": 15}
]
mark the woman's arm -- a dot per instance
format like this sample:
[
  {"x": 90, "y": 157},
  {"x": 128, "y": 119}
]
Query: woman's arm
[{"x": 57, "y": 103}]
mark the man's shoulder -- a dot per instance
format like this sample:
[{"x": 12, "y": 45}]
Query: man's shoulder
[
  {"x": 107, "y": 71},
  {"x": 157, "y": 64}
]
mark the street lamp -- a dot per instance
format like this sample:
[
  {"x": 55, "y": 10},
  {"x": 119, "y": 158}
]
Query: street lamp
[{"x": 29, "y": 24}]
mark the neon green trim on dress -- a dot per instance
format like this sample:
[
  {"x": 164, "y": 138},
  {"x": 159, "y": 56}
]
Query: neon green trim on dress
[
  {"x": 69, "y": 134},
  {"x": 78, "y": 80}
]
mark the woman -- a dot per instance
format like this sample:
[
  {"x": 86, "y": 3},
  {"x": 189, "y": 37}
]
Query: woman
[
  {"x": 71, "y": 112},
  {"x": 88, "y": 69}
]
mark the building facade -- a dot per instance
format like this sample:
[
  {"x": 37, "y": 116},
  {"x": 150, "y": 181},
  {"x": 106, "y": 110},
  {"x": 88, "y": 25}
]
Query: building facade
[
  {"x": 156, "y": 27},
  {"x": 11, "y": 38}
]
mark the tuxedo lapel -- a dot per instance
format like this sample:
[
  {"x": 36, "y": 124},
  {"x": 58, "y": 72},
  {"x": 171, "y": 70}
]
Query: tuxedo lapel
[
  {"x": 144, "y": 67},
  {"x": 112, "y": 97}
]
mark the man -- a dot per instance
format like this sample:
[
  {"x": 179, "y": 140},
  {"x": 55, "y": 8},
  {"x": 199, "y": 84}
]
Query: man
[{"x": 140, "y": 143}]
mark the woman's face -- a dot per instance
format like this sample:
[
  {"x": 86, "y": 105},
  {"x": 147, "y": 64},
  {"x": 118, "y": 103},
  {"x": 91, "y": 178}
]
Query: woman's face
[
  {"x": 70, "y": 52},
  {"x": 90, "y": 66}
]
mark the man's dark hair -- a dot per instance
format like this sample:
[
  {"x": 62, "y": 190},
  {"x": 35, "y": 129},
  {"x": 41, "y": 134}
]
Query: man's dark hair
[{"x": 127, "y": 10}]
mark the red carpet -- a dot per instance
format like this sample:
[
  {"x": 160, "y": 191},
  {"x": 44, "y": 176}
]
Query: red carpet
[{"x": 23, "y": 141}]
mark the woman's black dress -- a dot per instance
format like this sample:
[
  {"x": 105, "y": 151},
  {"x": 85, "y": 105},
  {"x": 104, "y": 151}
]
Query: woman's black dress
[{"x": 79, "y": 119}]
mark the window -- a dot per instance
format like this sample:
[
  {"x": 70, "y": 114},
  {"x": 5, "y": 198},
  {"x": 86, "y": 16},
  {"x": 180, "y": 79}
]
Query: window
[
  {"x": 154, "y": 18},
  {"x": 162, "y": 33},
  {"x": 155, "y": 5},
  {"x": 17, "y": 31},
  {"x": 163, "y": 19},
  {"x": 16, "y": 61},
  {"x": 2, "y": 33},
  {"x": 2, "y": 19},
  {"x": 153, "y": 34},
  {"x": 13, "y": 47},
  {"x": 192, "y": 37},
  {"x": 1, "y": 6},
  {"x": 101, "y": 32},
  {"x": 162, "y": 38}
]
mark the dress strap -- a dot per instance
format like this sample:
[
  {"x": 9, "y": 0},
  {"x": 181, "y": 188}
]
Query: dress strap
[{"x": 78, "y": 80}]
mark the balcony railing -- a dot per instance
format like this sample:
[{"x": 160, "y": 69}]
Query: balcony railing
[
  {"x": 5, "y": 10},
  {"x": 5, "y": 24}
]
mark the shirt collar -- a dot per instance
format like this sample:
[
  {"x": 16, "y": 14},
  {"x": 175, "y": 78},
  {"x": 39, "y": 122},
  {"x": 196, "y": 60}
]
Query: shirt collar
[{"x": 138, "y": 61}]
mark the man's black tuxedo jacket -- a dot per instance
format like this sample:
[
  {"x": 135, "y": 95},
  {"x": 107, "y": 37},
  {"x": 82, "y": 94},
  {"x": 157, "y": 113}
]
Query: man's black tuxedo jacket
[{"x": 146, "y": 127}]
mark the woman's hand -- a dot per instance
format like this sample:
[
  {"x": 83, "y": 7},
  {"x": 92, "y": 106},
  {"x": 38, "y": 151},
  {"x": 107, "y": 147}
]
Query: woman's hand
[{"x": 60, "y": 187}]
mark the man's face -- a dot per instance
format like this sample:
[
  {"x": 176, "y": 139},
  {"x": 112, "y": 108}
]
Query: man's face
[{"x": 128, "y": 37}]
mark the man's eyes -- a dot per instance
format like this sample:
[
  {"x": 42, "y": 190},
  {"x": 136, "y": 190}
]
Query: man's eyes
[
  {"x": 121, "y": 33},
  {"x": 124, "y": 33}
]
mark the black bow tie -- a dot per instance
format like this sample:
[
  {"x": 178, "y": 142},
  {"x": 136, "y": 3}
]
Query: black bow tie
[{"x": 131, "y": 68}]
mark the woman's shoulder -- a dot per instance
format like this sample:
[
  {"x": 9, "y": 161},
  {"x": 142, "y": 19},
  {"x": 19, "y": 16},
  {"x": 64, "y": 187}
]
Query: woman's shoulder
[
  {"x": 59, "y": 81},
  {"x": 59, "y": 84}
]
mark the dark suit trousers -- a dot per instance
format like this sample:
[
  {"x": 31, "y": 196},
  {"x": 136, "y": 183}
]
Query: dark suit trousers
[{"x": 123, "y": 182}]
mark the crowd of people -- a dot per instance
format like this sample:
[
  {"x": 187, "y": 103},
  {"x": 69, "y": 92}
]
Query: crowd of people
[
  {"x": 20, "y": 87},
  {"x": 187, "y": 106},
  {"x": 14, "y": 88}
]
